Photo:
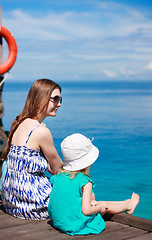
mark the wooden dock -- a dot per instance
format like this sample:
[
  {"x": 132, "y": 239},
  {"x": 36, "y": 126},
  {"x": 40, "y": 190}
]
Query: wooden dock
[{"x": 119, "y": 227}]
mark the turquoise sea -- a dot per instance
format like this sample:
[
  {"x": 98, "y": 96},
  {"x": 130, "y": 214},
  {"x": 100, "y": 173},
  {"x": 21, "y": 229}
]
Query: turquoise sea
[{"x": 118, "y": 115}]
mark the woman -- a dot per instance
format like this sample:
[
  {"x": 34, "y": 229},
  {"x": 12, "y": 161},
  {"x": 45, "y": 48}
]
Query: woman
[{"x": 29, "y": 152}]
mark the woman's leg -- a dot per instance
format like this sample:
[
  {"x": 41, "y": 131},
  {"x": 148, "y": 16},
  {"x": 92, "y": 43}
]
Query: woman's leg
[{"x": 127, "y": 206}]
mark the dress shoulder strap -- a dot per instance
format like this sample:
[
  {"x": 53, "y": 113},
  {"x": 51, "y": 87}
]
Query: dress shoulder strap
[{"x": 38, "y": 125}]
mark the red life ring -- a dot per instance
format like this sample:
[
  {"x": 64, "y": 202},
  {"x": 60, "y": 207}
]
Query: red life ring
[{"x": 12, "y": 47}]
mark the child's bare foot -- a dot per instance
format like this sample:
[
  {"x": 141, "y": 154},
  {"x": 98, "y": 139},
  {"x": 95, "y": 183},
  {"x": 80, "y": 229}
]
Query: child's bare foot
[{"x": 133, "y": 203}]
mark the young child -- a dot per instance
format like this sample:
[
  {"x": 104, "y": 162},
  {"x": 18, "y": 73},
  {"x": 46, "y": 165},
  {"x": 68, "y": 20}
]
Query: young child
[{"x": 72, "y": 205}]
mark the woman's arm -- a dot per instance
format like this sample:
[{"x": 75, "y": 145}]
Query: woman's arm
[
  {"x": 87, "y": 208},
  {"x": 46, "y": 144}
]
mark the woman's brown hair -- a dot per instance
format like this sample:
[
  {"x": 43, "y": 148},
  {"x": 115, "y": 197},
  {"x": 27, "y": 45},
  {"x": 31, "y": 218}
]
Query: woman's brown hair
[{"x": 37, "y": 99}]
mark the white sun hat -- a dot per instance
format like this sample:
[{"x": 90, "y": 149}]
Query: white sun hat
[{"x": 78, "y": 152}]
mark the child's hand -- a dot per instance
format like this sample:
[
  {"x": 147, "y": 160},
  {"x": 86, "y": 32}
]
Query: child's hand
[{"x": 94, "y": 202}]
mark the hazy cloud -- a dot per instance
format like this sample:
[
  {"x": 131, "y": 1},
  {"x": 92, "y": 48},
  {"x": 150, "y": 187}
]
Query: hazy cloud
[
  {"x": 109, "y": 74},
  {"x": 73, "y": 44},
  {"x": 149, "y": 66}
]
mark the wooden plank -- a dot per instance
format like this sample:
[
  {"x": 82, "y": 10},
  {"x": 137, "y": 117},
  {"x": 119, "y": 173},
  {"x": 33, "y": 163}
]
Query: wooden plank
[
  {"x": 23, "y": 228},
  {"x": 121, "y": 234},
  {"x": 43, "y": 230},
  {"x": 12, "y": 228},
  {"x": 130, "y": 220},
  {"x": 13, "y": 222},
  {"x": 38, "y": 230},
  {"x": 113, "y": 226},
  {"x": 147, "y": 236}
]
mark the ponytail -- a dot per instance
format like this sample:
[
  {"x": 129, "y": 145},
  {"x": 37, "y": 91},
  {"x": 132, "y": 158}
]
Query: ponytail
[{"x": 14, "y": 126}]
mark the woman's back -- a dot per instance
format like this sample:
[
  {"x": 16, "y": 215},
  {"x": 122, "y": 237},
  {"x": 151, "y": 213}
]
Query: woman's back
[
  {"x": 21, "y": 134},
  {"x": 25, "y": 188}
]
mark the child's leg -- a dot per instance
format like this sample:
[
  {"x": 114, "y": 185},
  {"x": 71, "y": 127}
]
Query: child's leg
[{"x": 127, "y": 206}]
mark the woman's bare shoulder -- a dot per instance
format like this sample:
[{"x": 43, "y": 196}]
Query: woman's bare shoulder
[
  {"x": 28, "y": 124},
  {"x": 43, "y": 131}
]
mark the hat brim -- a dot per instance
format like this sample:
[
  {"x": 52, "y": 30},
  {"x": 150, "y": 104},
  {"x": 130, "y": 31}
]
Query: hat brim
[{"x": 83, "y": 162}]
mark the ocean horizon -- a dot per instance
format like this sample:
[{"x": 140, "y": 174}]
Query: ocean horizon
[{"x": 118, "y": 115}]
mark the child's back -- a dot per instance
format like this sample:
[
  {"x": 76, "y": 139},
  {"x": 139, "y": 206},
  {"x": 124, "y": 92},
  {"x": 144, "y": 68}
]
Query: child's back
[{"x": 66, "y": 203}]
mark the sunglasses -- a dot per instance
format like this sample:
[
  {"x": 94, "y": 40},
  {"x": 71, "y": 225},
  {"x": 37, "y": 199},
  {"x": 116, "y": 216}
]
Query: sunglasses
[{"x": 56, "y": 99}]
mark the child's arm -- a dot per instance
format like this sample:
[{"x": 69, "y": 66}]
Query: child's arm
[
  {"x": 93, "y": 196},
  {"x": 93, "y": 200},
  {"x": 87, "y": 208}
]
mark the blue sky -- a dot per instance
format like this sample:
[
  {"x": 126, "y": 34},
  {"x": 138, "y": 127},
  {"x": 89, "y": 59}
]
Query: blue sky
[{"x": 74, "y": 40}]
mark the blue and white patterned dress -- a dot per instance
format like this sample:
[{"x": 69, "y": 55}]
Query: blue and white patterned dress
[{"x": 25, "y": 187}]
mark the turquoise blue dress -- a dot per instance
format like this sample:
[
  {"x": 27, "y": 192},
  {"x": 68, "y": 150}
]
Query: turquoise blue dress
[
  {"x": 25, "y": 188},
  {"x": 4, "y": 168},
  {"x": 65, "y": 206}
]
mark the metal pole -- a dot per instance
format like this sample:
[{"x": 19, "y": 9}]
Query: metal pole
[{"x": 3, "y": 137}]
